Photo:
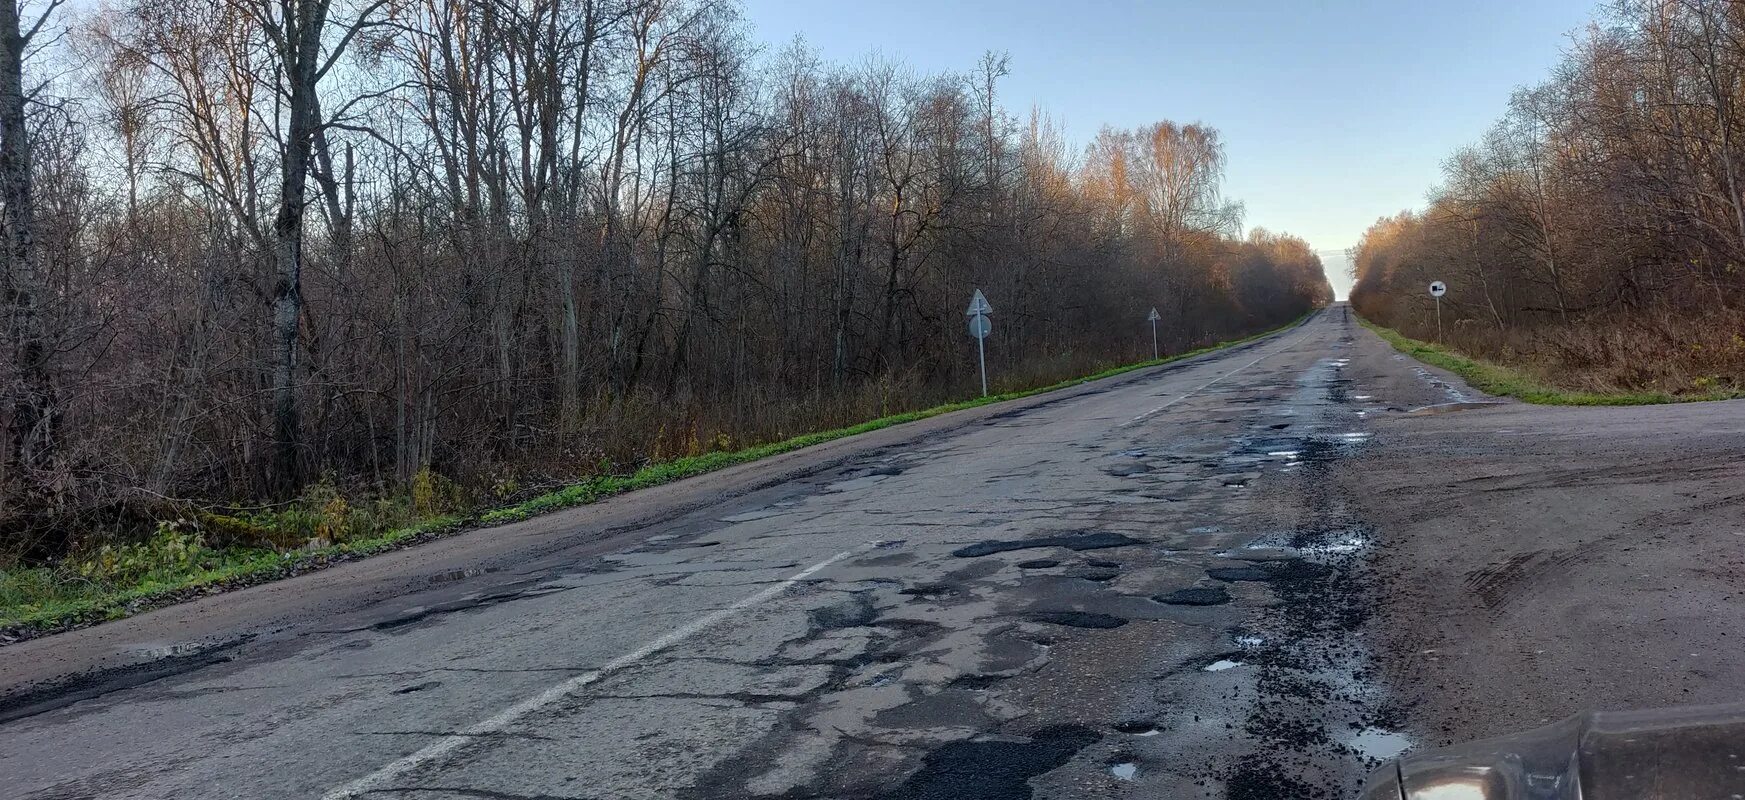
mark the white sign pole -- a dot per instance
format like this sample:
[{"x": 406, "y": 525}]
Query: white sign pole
[
  {"x": 1437, "y": 289},
  {"x": 982, "y": 358},
  {"x": 980, "y": 326},
  {"x": 1152, "y": 318}
]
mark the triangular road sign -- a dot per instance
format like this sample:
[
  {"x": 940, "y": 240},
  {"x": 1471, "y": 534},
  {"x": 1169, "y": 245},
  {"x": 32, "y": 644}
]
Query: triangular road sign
[{"x": 978, "y": 305}]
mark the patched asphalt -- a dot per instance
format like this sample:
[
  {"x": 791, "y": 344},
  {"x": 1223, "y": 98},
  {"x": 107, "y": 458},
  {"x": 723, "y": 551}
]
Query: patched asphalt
[{"x": 1160, "y": 586}]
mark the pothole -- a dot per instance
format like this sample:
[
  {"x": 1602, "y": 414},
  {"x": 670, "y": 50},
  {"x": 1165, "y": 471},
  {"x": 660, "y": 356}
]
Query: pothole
[
  {"x": 461, "y": 574},
  {"x": 1079, "y": 619},
  {"x": 1141, "y": 728},
  {"x": 1379, "y": 744},
  {"x": 1072, "y": 541},
  {"x": 1234, "y": 574},
  {"x": 1195, "y": 596}
]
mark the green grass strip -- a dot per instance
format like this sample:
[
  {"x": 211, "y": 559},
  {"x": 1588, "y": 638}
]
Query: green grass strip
[
  {"x": 55, "y": 611},
  {"x": 1502, "y": 381}
]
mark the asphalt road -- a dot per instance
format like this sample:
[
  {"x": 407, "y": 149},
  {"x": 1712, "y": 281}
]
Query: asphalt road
[{"x": 1248, "y": 575}]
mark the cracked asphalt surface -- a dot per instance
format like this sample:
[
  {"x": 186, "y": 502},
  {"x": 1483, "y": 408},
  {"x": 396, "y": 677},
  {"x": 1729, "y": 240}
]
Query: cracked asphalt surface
[{"x": 1248, "y": 575}]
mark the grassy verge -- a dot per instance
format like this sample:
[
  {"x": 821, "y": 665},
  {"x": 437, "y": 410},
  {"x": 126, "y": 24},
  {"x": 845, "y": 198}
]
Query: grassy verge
[
  {"x": 175, "y": 567},
  {"x": 1502, "y": 381}
]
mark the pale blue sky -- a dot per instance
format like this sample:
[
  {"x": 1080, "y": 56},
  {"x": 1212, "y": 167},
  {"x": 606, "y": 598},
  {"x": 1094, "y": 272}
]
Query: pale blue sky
[{"x": 1333, "y": 113}]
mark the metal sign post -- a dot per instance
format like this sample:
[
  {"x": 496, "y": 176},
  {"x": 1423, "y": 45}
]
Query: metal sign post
[
  {"x": 980, "y": 326},
  {"x": 1437, "y": 289},
  {"x": 1153, "y": 318}
]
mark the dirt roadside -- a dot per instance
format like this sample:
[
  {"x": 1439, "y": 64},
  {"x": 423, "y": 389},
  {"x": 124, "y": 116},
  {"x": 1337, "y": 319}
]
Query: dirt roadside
[{"x": 1536, "y": 562}]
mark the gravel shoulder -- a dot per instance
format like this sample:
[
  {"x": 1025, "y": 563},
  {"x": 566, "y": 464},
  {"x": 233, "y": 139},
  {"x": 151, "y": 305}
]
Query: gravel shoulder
[{"x": 1539, "y": 561}]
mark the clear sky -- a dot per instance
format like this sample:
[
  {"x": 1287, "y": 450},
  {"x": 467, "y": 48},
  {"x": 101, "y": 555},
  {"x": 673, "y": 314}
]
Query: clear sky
[{"x": 1333, "y": 113}]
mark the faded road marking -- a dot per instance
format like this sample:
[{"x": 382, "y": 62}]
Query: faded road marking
[
  {"x": 508, "y": 716},
  {"x": 1191, "y": 392}
]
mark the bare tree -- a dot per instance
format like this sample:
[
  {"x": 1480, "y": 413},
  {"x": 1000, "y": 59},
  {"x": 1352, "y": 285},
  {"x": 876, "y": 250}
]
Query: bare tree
[
  {"x": 340, "y": 248},
  {"x": 35, "y": 414},
  {"x": 297, "y": 31}
]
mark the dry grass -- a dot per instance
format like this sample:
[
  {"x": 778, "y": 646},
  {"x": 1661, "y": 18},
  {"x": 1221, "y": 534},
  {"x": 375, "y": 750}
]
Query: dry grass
[{"x": 1644, "y": 358}]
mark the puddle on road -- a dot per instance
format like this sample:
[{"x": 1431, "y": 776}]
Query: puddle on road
[
  {"x": 1341, "y": 546},
  {"x": 1379, "y": 744},
  {"x": 1272, "y": 550},
  {"x": 1306, "y": 677},
  {"x": 1125, "y": 770}
]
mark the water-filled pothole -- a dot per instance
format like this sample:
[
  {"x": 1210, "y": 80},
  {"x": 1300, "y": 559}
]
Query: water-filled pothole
[{"x": 1379, "y": 744}]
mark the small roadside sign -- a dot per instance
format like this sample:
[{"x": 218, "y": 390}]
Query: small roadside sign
[
  {"x": 978, "y": 305},
  {"x": 979, "y": 327},
  {"x": 1437, "y": 289},
  {"x": 1152, "y": 318}
]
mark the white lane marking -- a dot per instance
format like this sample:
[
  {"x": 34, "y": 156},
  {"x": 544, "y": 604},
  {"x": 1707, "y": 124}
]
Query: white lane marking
[
  {"x": 1191, "y": 392},
  {"x": 508, "y": 716}
]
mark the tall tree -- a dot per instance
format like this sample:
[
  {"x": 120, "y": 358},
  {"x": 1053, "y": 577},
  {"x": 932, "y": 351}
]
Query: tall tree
[
  {"x": 35, "y": 415},
  {"x": 296, "y": 30}
]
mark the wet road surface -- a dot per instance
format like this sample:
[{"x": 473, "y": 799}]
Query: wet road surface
[{"x": 1187, "y": 582}]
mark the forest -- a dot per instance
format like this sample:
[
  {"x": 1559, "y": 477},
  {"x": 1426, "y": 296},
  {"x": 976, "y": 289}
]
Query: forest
[
  {"x": 1595, "y": 235},
  {"x": 285, "y": 272}
]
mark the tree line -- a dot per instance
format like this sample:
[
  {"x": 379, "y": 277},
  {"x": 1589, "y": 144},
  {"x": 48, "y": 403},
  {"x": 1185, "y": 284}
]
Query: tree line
[
  {"x": 254, "y": 245},
  {"x": 1599, "y": 227}
]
